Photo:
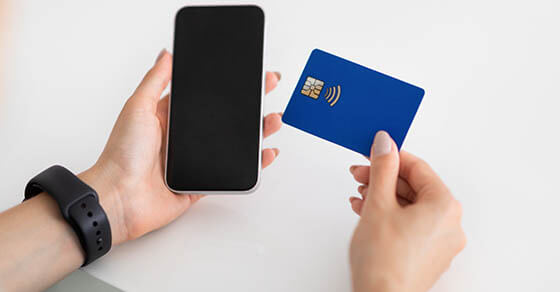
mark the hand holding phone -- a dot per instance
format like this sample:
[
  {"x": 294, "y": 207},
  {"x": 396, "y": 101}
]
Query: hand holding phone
[{"x": 129, "y": 174}]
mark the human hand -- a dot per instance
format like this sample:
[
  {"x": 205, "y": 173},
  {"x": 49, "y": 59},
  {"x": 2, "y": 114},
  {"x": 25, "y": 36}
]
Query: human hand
[
  {"x": 129, "y": 173},
  {"x": 410, "y": 225}
]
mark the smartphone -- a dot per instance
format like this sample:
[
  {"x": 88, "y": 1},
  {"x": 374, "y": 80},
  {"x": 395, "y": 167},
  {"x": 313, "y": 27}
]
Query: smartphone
[{"x": 215, "y": 106}]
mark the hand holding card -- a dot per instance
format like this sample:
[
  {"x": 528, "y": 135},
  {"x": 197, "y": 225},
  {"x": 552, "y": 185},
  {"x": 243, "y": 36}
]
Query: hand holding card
[{"x": 346, "y": 103}]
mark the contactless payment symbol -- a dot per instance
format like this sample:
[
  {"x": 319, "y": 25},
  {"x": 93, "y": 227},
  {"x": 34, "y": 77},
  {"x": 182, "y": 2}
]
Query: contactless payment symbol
[
  {"x": 332, "y": 95},
  {"x": 313, "y": 87}
]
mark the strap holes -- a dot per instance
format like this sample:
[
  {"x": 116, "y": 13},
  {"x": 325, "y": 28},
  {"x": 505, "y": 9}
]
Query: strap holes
[
  {"x": 89, "y": 214},
  {"x": 98, "y": 232},
  {"x": 100, "y": 248},
  {"x": 94, "y": 223},
  {"x": 83, "y": 205}
]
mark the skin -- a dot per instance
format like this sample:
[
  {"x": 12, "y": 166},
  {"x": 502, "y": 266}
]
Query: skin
[
  {"x": 410, "y": 225},
  {"x": 39, "y": 248},
  {"x": 408, "y": 233}
]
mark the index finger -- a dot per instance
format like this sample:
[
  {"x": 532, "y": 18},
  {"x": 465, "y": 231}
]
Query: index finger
[{"x": 422, "y": 178}]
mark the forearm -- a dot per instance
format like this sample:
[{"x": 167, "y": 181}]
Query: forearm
[{"x": 38, "y": 247}]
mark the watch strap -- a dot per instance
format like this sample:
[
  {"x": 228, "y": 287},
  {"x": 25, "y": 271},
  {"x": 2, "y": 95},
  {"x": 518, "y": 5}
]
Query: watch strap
[{"x": 79, "y": 205}]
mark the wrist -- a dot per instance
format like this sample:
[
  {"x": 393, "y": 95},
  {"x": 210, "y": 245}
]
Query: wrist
[
  {"x": 106, "y": 186},
  {"x": 370, "y": 283},
  {"x": 39, "y": 247}
]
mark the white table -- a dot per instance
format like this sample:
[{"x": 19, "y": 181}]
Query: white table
[{"x": 488, "y": 125}]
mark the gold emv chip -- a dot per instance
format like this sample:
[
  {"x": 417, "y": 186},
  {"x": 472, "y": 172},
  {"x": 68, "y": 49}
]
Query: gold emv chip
[{"x": 312, "y": 87}]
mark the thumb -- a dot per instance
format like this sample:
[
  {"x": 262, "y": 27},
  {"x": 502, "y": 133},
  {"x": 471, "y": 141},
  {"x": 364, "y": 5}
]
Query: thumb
[
  {"x": 155, "y": 81},
  {"x": 383, "y": 175}
]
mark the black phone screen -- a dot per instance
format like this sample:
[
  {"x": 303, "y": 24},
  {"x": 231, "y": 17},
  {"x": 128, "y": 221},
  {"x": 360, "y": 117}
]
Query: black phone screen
[{"x": 215, "y": 105}]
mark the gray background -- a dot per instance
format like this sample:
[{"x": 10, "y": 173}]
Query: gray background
[
  {"x": 488, "y": 125},
  {"x": 82, "y": 281}
]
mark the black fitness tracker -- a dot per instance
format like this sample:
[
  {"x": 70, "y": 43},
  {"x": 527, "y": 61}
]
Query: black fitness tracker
[{"x": 79, "y": 206}]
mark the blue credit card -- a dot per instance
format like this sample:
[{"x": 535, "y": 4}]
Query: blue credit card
[{"x": 346, "y": 103}]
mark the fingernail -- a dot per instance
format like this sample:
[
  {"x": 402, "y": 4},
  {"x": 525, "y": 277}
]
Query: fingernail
[
  {"x": 352, "y": 199},
  {"x": 382, "y": 144},
  {"x": 161, "y": 54},
  {"x": 361, "y": 189},
  {"x": 280, "y": 114},
  {"x": 355, "y": 203},
  {"x": 278, "y": 75},
  {"x": 276, "y": 151},
  {"x": 352, "y": 168}
]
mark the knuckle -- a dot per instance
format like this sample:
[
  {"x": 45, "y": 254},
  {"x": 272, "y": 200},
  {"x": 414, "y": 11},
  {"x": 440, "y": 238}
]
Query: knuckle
[
  {"x": 457, "y": 208},
  {"x": 383, "y": 161},
  {"x": 418, "y": 165},
  {"x": 462, "y": 241},
  {"x": 384, "y": 167},
  {"x": 452, "y": 208}
]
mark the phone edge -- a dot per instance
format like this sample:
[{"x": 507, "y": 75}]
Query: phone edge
[{"x": 263, "y": 89}]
